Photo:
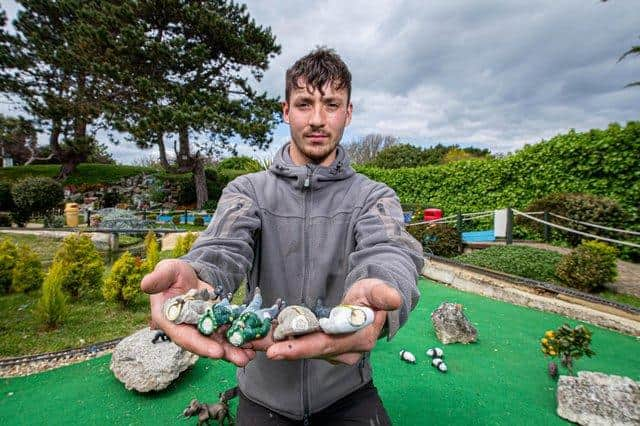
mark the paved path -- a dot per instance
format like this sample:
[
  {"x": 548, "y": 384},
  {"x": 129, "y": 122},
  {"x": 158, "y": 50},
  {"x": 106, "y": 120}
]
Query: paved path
[{"x": 628, "y": 281}]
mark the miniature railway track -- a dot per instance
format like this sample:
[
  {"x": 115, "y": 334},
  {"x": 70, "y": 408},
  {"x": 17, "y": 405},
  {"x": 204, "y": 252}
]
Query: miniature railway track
[
  {"x": 539, "y": 285},
  {"x": 86, "y": 351}
]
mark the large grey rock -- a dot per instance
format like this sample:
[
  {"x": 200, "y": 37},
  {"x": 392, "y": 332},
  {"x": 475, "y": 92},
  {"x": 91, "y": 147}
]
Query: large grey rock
[
  {"x": 598, "y": 399},
  {"x": 451, "y": 324},
  {"x": 145, "y": 366}
]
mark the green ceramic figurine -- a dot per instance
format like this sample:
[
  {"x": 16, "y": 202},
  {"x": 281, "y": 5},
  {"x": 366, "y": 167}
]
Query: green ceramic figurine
[
  {"x": 218, "y": 315},
  {"x": 253, "y": 323}
]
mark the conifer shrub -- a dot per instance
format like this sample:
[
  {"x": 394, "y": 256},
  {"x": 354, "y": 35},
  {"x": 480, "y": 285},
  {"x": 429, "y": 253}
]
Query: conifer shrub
[
  {"x": 439, "y": 239},
  {"x": 27, "y": 272},
  {"x": 35, "y": 195},
  {"x": 84, "y": 265},
  {"x": 589, "y": 266},
  {"x": 51, "y": 309},
  {"x": 123, "y": 283},
  {"x": 198, "y": 221},
  {"x": 176, "y": 218},
  {"x": 152, "y": 251},
  {"x": 8, "y": 255},
  {"x": 184, "y": 243}
]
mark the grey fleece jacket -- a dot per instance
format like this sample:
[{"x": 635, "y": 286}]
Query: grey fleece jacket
[{"x": 303, "y": 233}]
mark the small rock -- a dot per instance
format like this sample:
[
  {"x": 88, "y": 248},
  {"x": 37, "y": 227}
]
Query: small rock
[
  {"x": 451, "y": 324},
  {"x": 143, "y": 366},
  {"x": 594, "y": 398}
]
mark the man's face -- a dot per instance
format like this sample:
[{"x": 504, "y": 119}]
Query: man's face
[{"x": 317, "y": 122}]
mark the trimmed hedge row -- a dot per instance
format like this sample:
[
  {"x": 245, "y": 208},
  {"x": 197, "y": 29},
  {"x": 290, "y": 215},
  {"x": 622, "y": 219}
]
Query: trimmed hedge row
[{"x": 600, "y": 162}]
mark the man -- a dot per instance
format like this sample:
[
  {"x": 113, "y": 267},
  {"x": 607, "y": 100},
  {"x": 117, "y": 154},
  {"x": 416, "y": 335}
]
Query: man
[{"x": 309, "y": 228}]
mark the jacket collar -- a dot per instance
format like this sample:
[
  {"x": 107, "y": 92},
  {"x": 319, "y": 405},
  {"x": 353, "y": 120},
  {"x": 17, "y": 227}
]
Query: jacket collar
[{"x": 311, "y": 176}]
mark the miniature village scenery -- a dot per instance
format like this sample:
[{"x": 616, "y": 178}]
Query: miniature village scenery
[{"x": 530, "y": 307}]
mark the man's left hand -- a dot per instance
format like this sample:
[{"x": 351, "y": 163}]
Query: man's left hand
[{"x": 341, "y": 348}]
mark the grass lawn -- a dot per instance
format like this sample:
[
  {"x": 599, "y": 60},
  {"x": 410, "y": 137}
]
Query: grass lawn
[
  {"x": 45, "y": 247},
  {"x": 89, "y": 321},
  {"x": 500, "y": 380}
]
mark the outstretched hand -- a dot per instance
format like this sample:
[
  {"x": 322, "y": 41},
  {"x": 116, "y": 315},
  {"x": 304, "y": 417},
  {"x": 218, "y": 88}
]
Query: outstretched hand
[
  {"x": 172, "y": 278},
  {"x": 340, "y": 348}
]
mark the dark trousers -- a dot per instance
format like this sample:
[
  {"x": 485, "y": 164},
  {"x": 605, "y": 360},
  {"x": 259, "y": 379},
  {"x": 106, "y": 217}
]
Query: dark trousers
[{"x": 361, "y": 407}]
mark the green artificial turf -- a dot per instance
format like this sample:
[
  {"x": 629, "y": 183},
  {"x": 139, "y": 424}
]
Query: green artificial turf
[{"x": 500, "y": 380}]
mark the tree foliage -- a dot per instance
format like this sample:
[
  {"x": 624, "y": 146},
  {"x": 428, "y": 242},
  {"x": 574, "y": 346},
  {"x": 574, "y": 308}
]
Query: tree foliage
[
  {"x": 18, "y": 139},
  {"x": 187, "y": 68},
  {"x": 407, "y": 155},
  {"x": 367, "y": 148},
  {"x": 55, "y": 65}
]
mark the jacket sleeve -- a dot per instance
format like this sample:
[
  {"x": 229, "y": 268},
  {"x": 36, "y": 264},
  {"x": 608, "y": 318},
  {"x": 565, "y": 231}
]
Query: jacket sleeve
[
  {"x": 223, "y": 254},
  {"x": 385, "y": 250}
]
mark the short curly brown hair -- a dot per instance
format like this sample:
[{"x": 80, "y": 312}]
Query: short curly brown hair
[{"x": 319, "y": 67}]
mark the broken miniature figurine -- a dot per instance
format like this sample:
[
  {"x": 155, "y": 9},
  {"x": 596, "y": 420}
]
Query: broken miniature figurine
[
  {"x": 189, "y": 307},
  {"x": 344, "y": 318},
  {"x": 253, "y": 323},
  {"x": 218, "y": 412},
  {"x": 219, "y": 315},
  {"x": 294, "y": 321},
  {"x": 160, "y": 336}
]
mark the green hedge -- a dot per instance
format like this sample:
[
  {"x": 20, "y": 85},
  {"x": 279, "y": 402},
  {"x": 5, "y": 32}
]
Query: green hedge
[
  {"x": 600, "y": 162},
  {"x": 522, "y": 261}
]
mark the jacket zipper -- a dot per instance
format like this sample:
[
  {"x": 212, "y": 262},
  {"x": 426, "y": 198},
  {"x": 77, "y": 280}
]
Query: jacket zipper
[{"x": 306, "y": 188}]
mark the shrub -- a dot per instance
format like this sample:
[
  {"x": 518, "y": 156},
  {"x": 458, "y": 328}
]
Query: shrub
[
  {"x": 84, "y": 265},
  {"x": 123, "y": 283},
  {"x": 567, "y": 343},
  {"x": 152, "y": 251},
  {"x": 8, "y": 255},
  {"x": 6, "y": 202},
  {"x": 27, "y": 272},
  {"x": 589, "y": 266},
  {"x": 522, "y": 261},
  {"x": 582, "y": 207},
  {"x": 54, "y": 221},
  {"x": 184, "y": 243},
  {"x": 198, "y": 221},
  {"x": 51, "y": 309},
  {"x": 176, "y": 219},
  {"x": 35, "y": 195},
  {"x": 439, "y": 239},
  {"x": 240, "y": 163},
  {"x": 5, "y": 219}
]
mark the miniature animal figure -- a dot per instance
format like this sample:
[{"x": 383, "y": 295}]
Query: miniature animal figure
[
  {"x": 160, "y": 336},
  {"x": 295, "y": 321},
  {"x": 407, "y": 356},
  {"x": 189, "y": 307},
  {"x": 219, "y": 315},
  {"x": 439, "y": 364},
  {"x": 218, "y": 412},
  {"x": 253, "y": 323},
  {"x": 346, "y": 319},
  {"x": 435, "y": 353}
]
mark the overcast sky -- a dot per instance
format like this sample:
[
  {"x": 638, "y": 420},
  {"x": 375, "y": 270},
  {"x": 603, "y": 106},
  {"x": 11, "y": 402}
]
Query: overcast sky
[{"x": 489, "y": 74}]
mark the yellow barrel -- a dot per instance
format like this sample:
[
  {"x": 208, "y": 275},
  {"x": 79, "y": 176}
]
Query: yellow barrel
[{"x": 71, "y": 214}]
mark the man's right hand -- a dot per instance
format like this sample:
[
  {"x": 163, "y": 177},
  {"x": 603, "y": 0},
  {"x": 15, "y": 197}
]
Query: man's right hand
[{"x": 172, "y": 278}]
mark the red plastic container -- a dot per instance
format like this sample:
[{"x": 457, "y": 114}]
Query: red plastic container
[{"x": 432, "y": 214}]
